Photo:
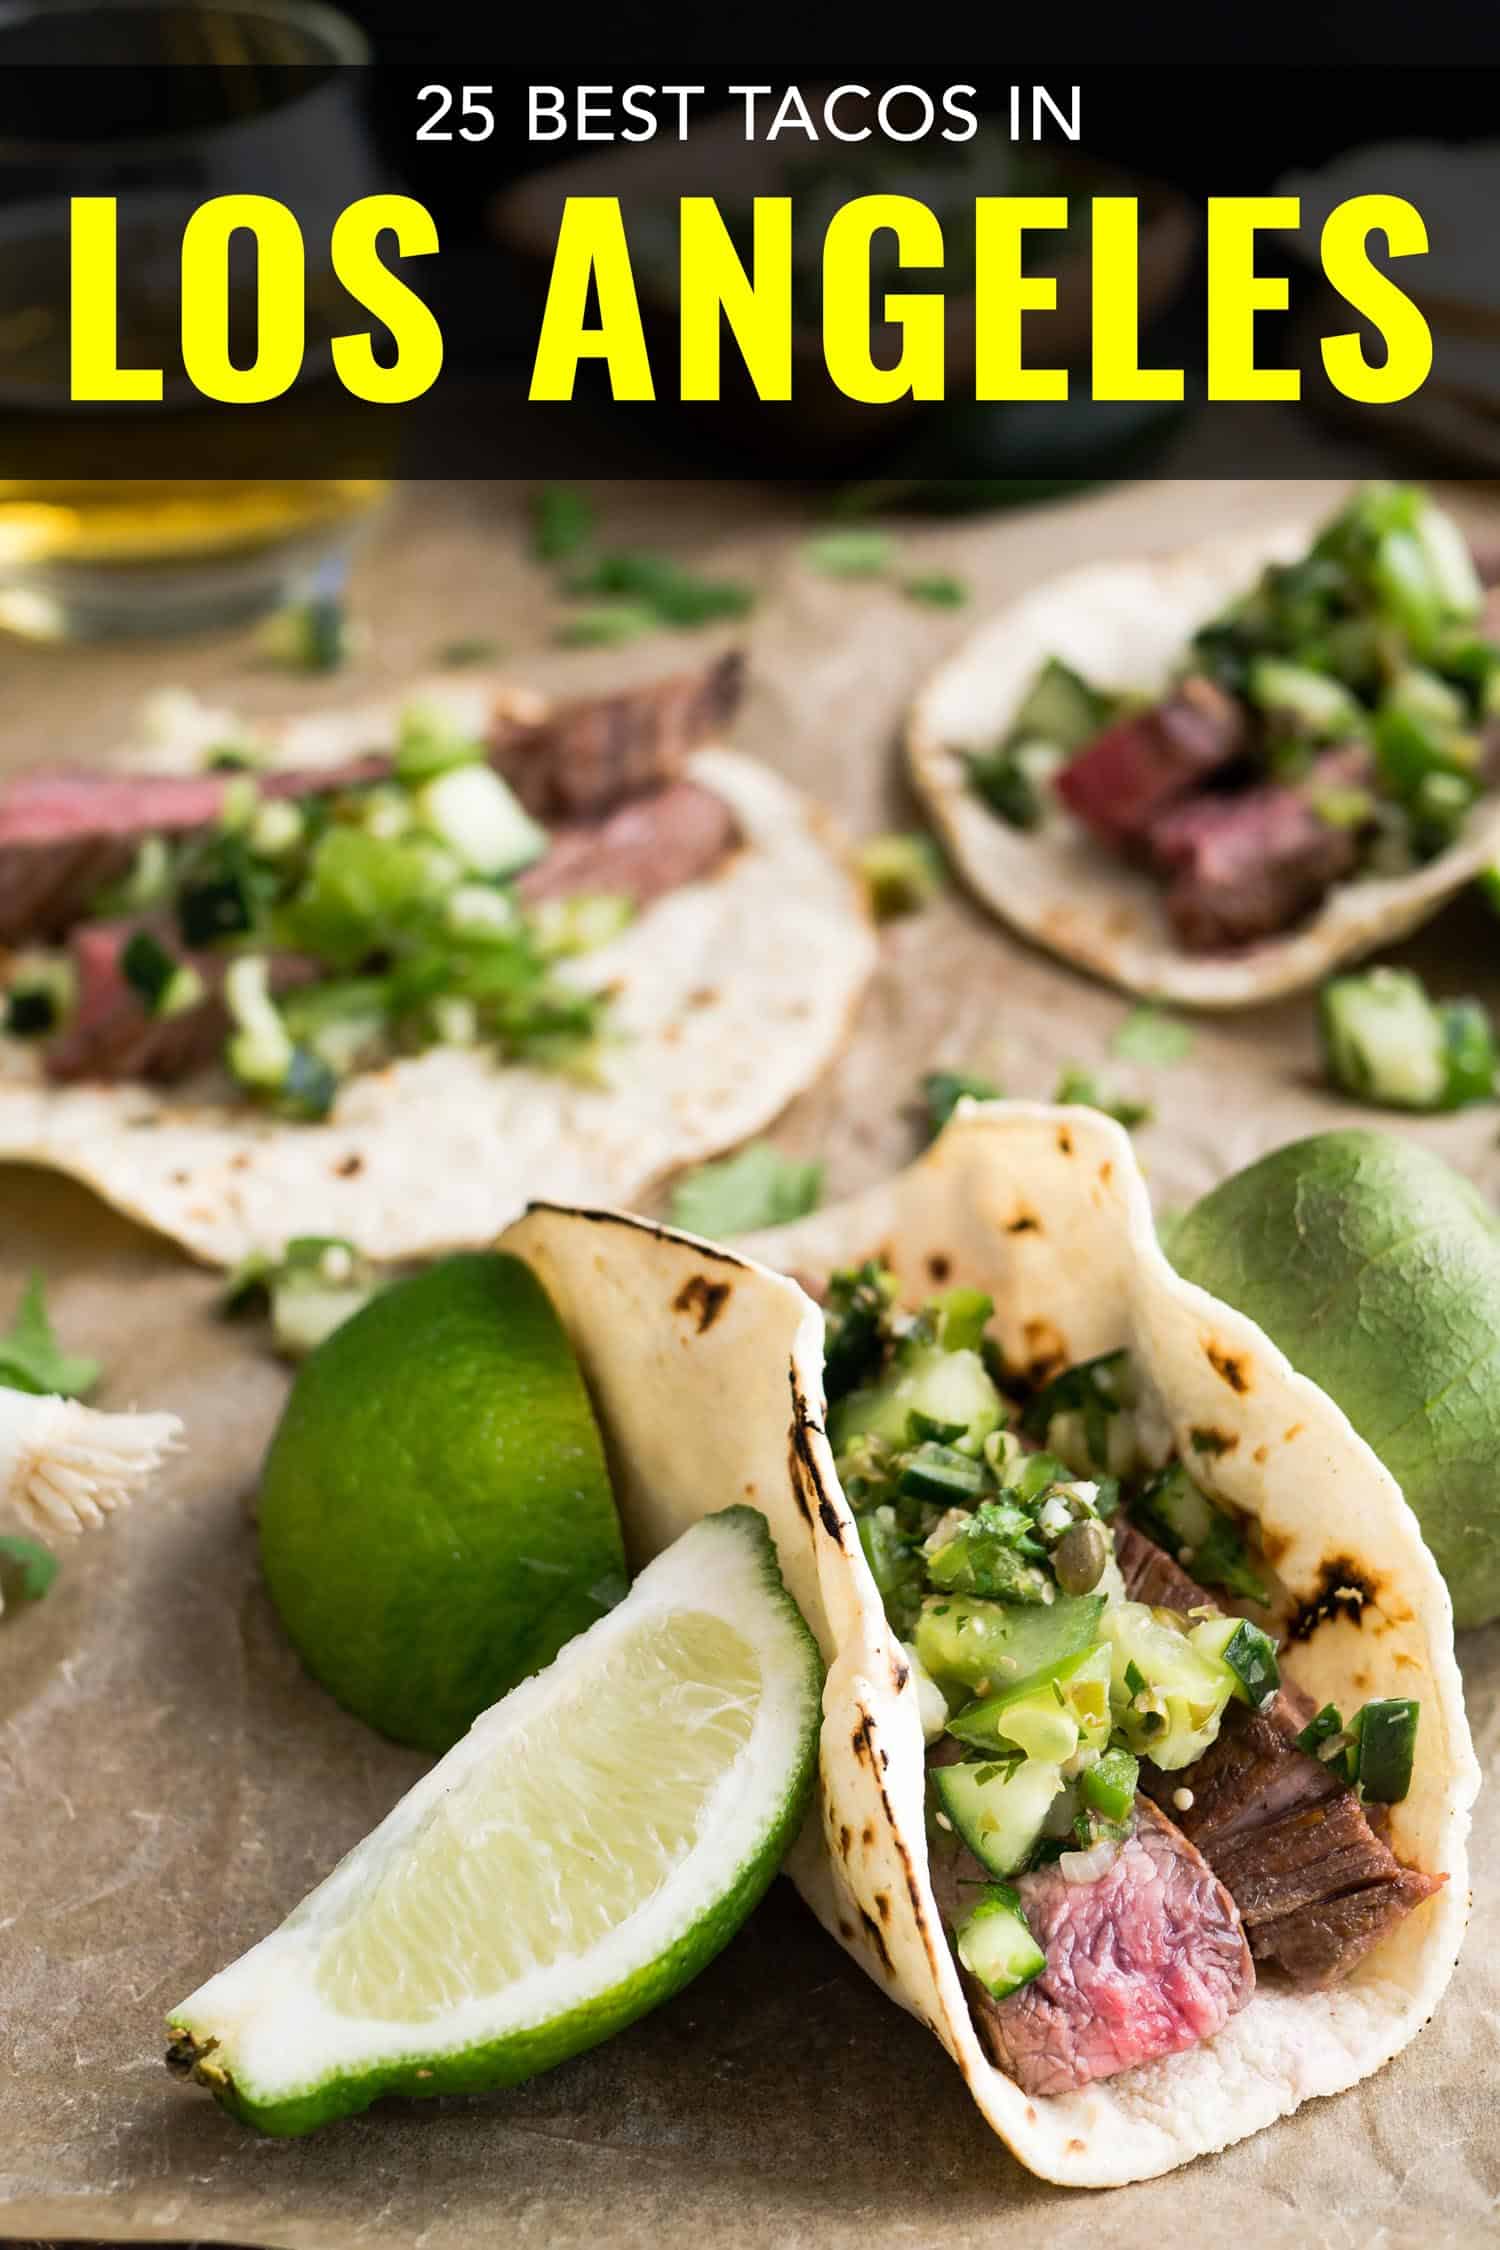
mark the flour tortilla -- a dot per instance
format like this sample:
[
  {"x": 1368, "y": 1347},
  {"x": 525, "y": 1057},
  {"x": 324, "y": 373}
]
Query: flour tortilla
[
  {"x": 1127, "y": 625},
  {"x": 706, "y": 1369},
  {"x": 732, "y": 995}
]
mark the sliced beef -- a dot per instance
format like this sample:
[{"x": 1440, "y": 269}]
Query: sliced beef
[
  {"x": 1151, "y": 1576},
  {"x": 113, "y": 1034},
  {"x": 640, "y": 851},
  {"x": 1321, "y": 1942},
  {"x": 590, "y": 756},
  {"x": 1294, "y": 1845},
  {"x": 1124, "y": 780},
  {"x": 1246, "y": 866},
  {"x": 65, "y": 836},
  {"x": 1145, "y": 1960}
]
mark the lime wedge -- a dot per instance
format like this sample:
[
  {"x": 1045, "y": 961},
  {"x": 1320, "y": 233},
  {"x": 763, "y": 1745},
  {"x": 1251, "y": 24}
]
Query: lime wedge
[{"x": 587, "y": 1847}]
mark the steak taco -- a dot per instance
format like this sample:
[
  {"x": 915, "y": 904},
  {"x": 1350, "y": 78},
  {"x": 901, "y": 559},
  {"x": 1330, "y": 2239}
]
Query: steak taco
[
  {"x": 1212, "y": 778},
  {"x": 384, "y": 974},
  {"x": 1145, "y": 1777}
]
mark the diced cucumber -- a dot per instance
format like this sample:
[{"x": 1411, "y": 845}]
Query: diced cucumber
[
  {"x": 1060, "y": 707},
  {"x": 995, "y": 1943},
  {"x": 932, "y": 1704},
  {"x": 989, "y": 1645},
  {"x": 943, "y": 1475},
  {"x": 472, "y": 811},
  {"x": 1249, "y": 1653},
  {"x": 1167, "y": 1696},
  {"x": 1109, "y": 1787},
  {"x": 1450, "y": 564},
  {"x": 1382, "y": 1039},
  {"x": 1208, "y": 1544},
  {"x": 1322, "y": 708},
  {"x": 950, "y": 1388},
  {"x": 998, "y": 1810},
  {"x": 1047, "y": 1716},
  {"x": 894, "y": 1564}
]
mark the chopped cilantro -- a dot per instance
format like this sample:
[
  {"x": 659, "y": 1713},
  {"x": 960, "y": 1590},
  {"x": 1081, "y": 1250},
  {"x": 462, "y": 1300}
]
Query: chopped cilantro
[
  {"x": 562, "y": 520},
  {"x": 31, "y": 1359},
  {"x": 1082, "y": 1087},
  {"x": 667, "y": 591},
  {"x": 938, "y": 588},
  {"x": 476, "y": 649},
  {"x": 26, "y": 1568},
  {"x": 850, "y": 554},
  {"x": 606, "y": 625},
  {"x": 758, "y": 1187},
  {"x": 943, "y": 1090}
]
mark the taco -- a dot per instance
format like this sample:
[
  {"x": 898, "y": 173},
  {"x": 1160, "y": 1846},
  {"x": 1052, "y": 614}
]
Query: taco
[
  {"x": 1145, "y": 1777},
  {"x": 382, "y": 974},
  {"x": 1212, "y": 778}
]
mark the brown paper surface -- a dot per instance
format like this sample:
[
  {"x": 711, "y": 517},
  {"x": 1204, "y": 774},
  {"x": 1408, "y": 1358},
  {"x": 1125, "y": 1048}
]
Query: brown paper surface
[{"x": 173, "y": 1784}]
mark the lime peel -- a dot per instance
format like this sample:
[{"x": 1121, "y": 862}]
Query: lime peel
[{"x": 679, "y": 1733}]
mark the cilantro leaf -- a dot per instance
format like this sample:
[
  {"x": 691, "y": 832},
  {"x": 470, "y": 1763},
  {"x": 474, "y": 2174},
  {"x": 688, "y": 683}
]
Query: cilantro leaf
[
  {"x": 668, "y": 591},
  {"x": 562, "y": 520},
  {"x": 758, "y": 1187},
  {"x": 31, "y": 1359},
  {"x": 943, "y": 1090},
  {"x": 938, "y": 588},
  {"x": 1082, "y": 1087},
  {"x": 1149, "y": 1036},
  {"x": 26, "y": 1567},
  {"x": 850, "y": 554}
]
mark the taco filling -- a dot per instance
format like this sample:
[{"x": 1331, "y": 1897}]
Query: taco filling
[
  {"x": 1130, "y": 1810},
  {"x": 299, "y": 927},
  {"x": 1340, "y": 719}
]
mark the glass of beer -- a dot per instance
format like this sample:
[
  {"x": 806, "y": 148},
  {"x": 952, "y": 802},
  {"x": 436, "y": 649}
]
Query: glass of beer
[{"x": 162, "y": 104}]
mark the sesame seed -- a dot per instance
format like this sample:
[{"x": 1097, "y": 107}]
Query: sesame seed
[
  {"x": 944, "y": 1822},
  {"x": 1185, "y": 1555},
  {"x": 1183, "y": 1799}
]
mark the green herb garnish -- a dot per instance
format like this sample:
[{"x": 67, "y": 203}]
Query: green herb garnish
[
  {"x": 943, "y": 1090},
  {"x": 850, "y": 554},
  {"x": 938, "y": 589},
  {"x": 562, "y": 521},
  {"x": 608, "y": 625},
  {"x": 1080, "y": 1087},
  {"x": 31, "y": 1359},
  {"x": 27, "y": 1569},
  {"x": 758, "y": 1187},
  {"x": 669, "y": 592}
]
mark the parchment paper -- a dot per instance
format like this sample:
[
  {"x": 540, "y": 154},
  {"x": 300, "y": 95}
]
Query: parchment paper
[{"x": 172, "y": 1783}]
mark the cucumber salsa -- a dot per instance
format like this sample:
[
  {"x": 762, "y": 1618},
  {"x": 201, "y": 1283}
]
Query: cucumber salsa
[{"x": 990, "y": 1520}]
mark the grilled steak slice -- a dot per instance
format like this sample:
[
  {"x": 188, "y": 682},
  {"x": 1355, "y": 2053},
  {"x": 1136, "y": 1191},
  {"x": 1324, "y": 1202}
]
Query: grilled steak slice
[
  {"x": 114, "y": 1035},
  {"x": 1152, "y": 1576},
  {"x": 1145, "y": 1960},
  {"x": 1320, "y": 1942},
  {"x": 1247, "y": 866},
  {"x": 1129, "y": 775},
  {"x": 590, "y": 756},
  {"x": 640, "y": 851},
  {"x": 1294, "y": 1845},
  {"x": 65, "y": 836}
]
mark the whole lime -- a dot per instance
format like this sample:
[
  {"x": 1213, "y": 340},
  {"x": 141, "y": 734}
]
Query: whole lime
[
  {"x": 436, "y": 1517},
  {"x": 1376, "y": 1268}
]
